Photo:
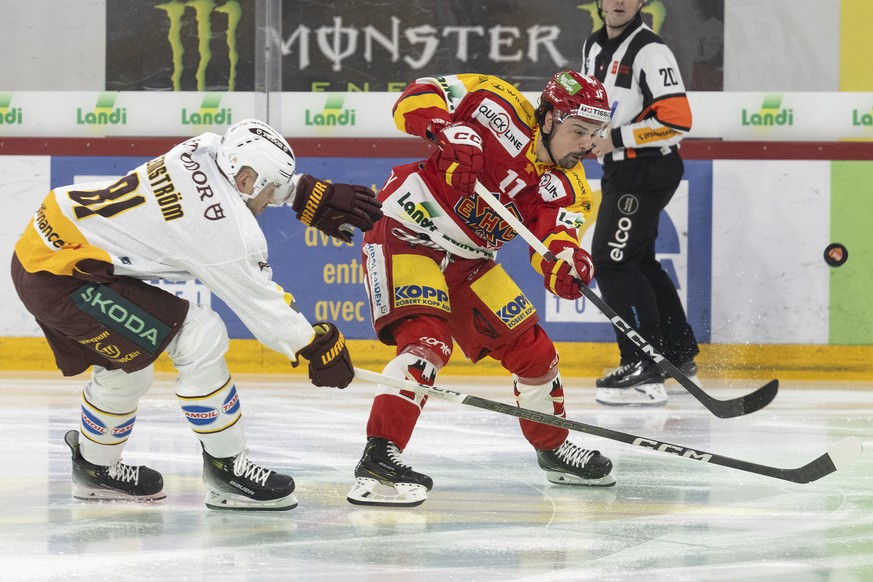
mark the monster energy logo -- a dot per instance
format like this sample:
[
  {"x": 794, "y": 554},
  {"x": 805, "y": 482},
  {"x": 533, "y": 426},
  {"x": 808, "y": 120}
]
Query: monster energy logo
[
  {"x": 8, "y": 115},
  {"x": 203, "y": 11},
  {"x": 104, "y": 113}
]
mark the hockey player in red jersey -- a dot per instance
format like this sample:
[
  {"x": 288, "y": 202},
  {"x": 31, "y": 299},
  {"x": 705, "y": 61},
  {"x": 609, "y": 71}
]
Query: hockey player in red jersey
[
  {"x": 81, "y": 268},
  {"x": 430, "y": 266}
]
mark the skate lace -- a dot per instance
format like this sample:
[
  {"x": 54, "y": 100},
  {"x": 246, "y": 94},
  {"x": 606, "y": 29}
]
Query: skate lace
[
  {"x": 574, "y": 456},
  {"x": 394, "y": 456},
  {"x": 243, "y": 467},
  {"x": 124, "y": 473},
  {"x": 620, "y": 371}
]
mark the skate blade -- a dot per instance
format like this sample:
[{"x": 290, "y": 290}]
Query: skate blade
[
  {"x": 228, "y": 501},
  {"x": 364, "y": 492},
  {"x": 642, "y": 395},
  {"x": 96, "y": 494},
  {"x": 566, "y": 479},
  {"x": 671, "y": 386}
]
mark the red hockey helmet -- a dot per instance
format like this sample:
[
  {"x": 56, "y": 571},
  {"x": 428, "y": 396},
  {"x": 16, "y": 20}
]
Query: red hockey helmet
[{"x": 572, "y": 94}]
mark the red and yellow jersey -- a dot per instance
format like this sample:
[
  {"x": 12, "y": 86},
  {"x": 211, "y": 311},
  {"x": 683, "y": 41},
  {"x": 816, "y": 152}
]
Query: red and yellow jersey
[
  {"x": 175, "y": 217},
  {"x": 550, "y": 200}
]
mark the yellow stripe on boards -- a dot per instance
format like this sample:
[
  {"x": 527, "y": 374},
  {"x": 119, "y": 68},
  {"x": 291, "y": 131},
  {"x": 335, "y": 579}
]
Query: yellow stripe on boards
[{"x": 580, "y": 360}]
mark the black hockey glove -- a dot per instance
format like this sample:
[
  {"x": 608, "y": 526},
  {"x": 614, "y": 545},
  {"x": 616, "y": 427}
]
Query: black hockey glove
[
  {"x": 329, "y": 361},
  {"x": 335, "y": 208}
]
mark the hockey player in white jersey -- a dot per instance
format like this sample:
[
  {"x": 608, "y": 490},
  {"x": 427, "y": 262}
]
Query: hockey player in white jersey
[{"x": 80, "y": 268}]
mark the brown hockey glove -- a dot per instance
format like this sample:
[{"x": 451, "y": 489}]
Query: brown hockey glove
[
  {"x": 329, "y": 361},
  {"x": 335, "y": 209}
]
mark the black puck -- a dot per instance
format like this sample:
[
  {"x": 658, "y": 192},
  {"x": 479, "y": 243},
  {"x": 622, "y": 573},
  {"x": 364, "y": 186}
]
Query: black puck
[{"x": 836, "y": 254}]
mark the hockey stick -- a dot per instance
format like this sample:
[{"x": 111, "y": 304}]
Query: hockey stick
[
  {"x": 837, "y": 457},
  {"x": 720, "y": 408}
]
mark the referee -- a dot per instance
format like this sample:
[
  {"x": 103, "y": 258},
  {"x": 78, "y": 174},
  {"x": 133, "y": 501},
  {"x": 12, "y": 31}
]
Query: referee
[{"x": 641, "y": 171}]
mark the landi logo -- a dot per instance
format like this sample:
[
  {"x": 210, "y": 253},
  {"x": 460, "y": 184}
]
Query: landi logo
[
  {"x": 9, "y": 115},
  {"x": 104, "y": 113},
  {"x": 179, "y": 16},
  {"x": 210, "y": 112},
  {"x": 771, "y": 113},
  {"x": 332, "y": 114},
  {"x": 859, "y": 118}
]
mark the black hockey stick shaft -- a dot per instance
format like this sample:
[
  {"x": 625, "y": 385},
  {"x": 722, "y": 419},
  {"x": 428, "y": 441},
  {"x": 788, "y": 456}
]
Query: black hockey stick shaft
[
  {"x": 838, "y": 456},
  {"x": 720, "y": 408}
]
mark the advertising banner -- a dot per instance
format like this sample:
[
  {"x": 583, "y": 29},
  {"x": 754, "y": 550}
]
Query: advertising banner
[
  {"x": 209, "y": 45},
  {"x": 187, "y": 45},
  {"x": 753, "y": 116},
  {"x": 325, "y": 275},
  {"x": 742, "y": 239}
]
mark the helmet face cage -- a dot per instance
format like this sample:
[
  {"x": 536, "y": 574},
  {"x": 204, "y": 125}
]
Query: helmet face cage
[
  {"x": 573, "y": 94},
  {"x": 256, "y": 145}
]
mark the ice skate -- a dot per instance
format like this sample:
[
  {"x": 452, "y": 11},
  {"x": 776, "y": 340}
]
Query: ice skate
[
  {"x": 573, "y": 465},
  {"x": 118, "y": 482},
  {"x": 383, "y": 479},
  {"x": 638, "y": 384},
  {"x": 689, "y": 369},
  {"x": 237, "y": 483}
]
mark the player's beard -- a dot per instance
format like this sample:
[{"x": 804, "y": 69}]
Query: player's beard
[{"x": 570, "y": 160}]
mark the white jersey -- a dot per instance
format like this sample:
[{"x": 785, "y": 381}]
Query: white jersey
[
  {"x": 650, "y": 111},
  {"x": 175, "y": 217}
]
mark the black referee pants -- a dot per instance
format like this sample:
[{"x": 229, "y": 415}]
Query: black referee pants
[{"x": 629, "y": 277}]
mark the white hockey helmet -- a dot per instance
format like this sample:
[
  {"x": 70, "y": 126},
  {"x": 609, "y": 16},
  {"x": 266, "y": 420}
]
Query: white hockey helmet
[{"x": 254, "y": 144}]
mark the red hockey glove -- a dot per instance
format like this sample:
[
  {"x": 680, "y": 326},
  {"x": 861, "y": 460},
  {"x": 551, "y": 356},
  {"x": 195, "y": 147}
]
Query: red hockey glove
[
  {"x": 563, "y": 276},
  {"x": 335, "y": 209},
  {"x": 329, "y": 361},
  {"x": 460, "y": 157}
]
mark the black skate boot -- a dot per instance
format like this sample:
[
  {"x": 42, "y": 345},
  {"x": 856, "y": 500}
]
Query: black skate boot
[
  {"x": 118, "y": 482},
  {"x": 237, "y": 483},
  {"x": 573, "y": 465},
  {"x": 689, "y": 369},
  {"x": 381, "y": 465},
  {"x": 639, "y": 384}
]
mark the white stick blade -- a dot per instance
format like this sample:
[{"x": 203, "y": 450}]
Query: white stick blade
[{"x": 845, "y": 451}]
